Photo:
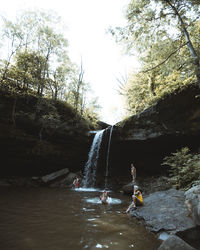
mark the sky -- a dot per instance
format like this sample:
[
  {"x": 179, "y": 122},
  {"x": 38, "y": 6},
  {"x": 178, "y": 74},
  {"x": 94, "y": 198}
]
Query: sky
[{"x": 103, "y": 59}]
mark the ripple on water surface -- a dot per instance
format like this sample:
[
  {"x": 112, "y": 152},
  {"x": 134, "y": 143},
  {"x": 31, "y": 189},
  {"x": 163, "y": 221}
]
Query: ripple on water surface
[{"x": 44, "y": 218}]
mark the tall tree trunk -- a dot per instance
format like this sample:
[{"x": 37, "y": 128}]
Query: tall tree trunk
[
  {"x": 79, "y": 83},
  {"x": 188, "y": 41}
]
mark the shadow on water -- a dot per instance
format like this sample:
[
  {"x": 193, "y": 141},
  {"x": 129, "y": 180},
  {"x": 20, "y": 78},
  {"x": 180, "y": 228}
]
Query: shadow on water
[{"x": 56, "y": 219}]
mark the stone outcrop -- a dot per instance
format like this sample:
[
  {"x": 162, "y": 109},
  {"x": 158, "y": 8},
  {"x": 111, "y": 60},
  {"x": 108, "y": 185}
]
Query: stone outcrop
[
  {"x": 176, "y": 114},
  {"x": 165, "y": 211},
  {"x": 148, "y": 185},
  {"x": 61, "y": 178},
  {"x": 53, "y": 177},
  {"x": 145, "y": 139},
  {"x": 40, "y": 136},
  {"x": 175, "y": 243},
  {"x": 192, "y": 200},
  {"x": 67, "y": 181}
]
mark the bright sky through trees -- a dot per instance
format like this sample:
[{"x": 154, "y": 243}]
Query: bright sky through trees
[{"x": 86, "y": 23}]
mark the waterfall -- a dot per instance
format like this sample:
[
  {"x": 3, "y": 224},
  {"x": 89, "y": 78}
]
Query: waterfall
[
  {"x": 91, "y": 164},
  {"x": 107, "y": 158}
]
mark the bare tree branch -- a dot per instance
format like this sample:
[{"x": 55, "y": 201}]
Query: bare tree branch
[{"x": 166, "y": 59}]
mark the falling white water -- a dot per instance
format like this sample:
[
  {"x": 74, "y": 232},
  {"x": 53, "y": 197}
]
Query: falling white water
[
  {"x": 107, "y": 159},
  {"x": 91, "y": 165}
]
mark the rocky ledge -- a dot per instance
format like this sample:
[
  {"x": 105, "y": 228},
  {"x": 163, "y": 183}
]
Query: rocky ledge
[
  {"x": 146, "y": 138},
  {"x": 60, "y": 178},
  {"x": 173, "y": 212},
  {"x": 165, "y": 211}
]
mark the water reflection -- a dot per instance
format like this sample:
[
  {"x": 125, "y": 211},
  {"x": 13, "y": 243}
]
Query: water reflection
[{"x": 60, "y": 219}]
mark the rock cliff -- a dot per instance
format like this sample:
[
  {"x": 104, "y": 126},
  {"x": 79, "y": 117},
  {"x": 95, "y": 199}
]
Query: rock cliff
[
  {"x": 144, "y": 139},
  {"x": 40, "y": 136}
]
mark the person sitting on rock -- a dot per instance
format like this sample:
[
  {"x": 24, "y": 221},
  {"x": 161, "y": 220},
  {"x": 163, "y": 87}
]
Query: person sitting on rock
[
  {"x": 133, "y": 172},
  {"x": 104, "y": 197},
  {"x": 137, "y": 200},
  {"x": 76, "y": 182}
]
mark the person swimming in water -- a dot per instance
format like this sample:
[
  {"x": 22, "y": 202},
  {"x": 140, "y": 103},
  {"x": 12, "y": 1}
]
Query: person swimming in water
[{"x": 104, "y": 197}]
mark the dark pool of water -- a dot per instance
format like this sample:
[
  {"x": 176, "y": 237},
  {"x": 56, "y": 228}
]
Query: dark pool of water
[{"x": 60, "y": 219}]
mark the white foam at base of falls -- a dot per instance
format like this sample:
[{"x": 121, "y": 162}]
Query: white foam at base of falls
[{"x": 110, "y": 200}]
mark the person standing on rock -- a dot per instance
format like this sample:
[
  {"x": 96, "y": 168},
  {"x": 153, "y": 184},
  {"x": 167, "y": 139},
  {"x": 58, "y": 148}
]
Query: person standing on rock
[
  {"x": 137, "y": 200},
  {"x": 76, "y": 182},
  {"x": 133, "y": 172}
]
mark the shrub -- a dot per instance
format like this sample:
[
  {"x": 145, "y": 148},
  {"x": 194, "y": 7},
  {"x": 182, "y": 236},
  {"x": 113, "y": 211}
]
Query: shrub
[{"x": 184, "y": 168}]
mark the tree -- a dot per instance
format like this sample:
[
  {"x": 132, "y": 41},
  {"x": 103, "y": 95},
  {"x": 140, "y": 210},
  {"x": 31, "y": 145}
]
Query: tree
[
  {"x": 38, "y": 61},
  {"x": 91, "y": 111},
  {"x": 39, "y": 33},
  {"x": 79, "y": 85},
  {"x": 177, "y": 9},
  {"x": 77, "y": 88},
  {"x": 138, "y": 95},
  {"x": 13, "y": 34},
  {"x": 165, "y": 36},
  {"x": 153, "y": 21},
  {"x": 59, "y": 81}
]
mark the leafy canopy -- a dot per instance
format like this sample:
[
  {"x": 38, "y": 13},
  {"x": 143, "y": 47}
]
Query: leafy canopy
[
  {"x": 36, "y": 61},
  {"x": 165, "y": 36}
]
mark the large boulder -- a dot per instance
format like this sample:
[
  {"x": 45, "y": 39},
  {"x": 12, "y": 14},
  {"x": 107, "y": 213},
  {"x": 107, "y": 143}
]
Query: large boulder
[
  {"x": 175, "y": 243},
  {"x": 192, "y": 200},
  {"x": 165, "y": 211},
  {"x": 55, "y": 176},
  {"x": 66, "y": 181}
]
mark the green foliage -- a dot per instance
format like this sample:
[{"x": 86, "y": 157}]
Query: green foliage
[
  {"x": 144, "y": 90},
  {"x": 137, "y": 93},
  {"x": 184, "y": 168},
  {"x": 37, "y": 62},
  {"x": 165, "y": 36}
]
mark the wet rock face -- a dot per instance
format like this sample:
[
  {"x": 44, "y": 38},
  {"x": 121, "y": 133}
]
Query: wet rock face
[{"x": 145, "y": 139}]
